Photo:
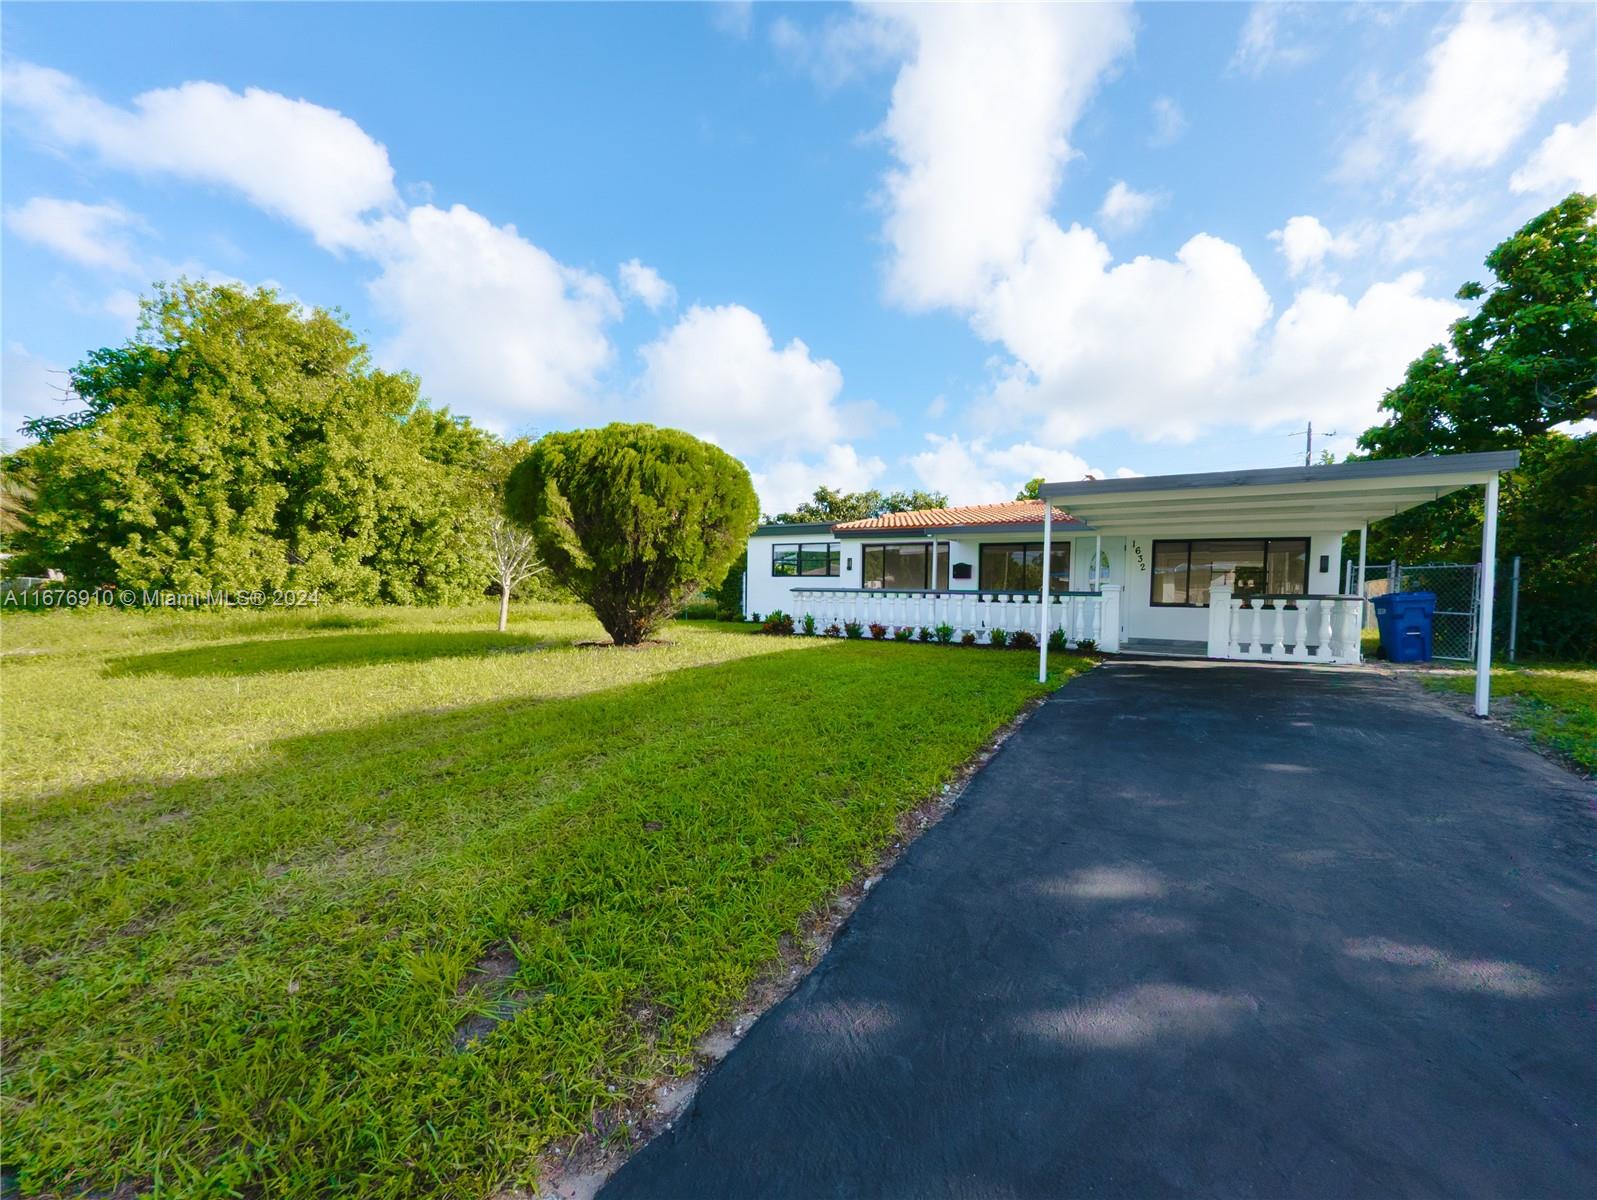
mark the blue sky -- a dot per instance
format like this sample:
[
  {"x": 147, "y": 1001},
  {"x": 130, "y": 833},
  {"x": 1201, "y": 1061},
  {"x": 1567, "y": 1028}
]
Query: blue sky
[{"x": 864, "y": 246}]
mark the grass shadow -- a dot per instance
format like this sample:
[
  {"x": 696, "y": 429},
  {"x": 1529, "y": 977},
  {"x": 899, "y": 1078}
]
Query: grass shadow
[{"x": 322, "y": 652}]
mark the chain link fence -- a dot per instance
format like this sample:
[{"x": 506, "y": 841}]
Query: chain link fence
[
  {"x": 1457, "y": 588},
  {"x": 1458, "y": 602},
  {"x": 1539, "y": 616}
]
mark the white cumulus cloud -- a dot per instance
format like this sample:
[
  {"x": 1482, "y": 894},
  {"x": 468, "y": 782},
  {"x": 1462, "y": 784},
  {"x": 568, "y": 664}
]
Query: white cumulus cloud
[
  {"x": 1330, "y": 358},
  {"x": 717, "y": 373},
  {"x": 1124, "y": 208},
  {"x": 1139, "y": 345},
  {"x": 308, "y": 164},
  {"x": 1485, "y": 81},
  {"x": 1567, "y": 158},
  {"x": 1305, "y": 243},
  {"x": 644, "y": 283},
  {"x": 977, "y": 472},
  {"x": 93, "y": 235},
  {"x": 494, "y": 325},
  {"x": 1165, "y": 348},
  {"x": 979, "y": 126},
  {"x": 784, "y": 481}
]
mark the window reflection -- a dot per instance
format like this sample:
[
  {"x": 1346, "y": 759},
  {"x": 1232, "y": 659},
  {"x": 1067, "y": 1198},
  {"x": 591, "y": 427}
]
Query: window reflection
[
  {"x": 1170, "y": 572},
  {"x": 1017, "y": 567},
  {"x": 819, "y": 558},
  {"x": 904, "y": 565},
  {"x": 1184, "y": 572}
]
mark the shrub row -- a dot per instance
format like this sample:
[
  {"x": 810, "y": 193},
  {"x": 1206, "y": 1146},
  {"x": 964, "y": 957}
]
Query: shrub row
[{"x": 779, "y": 622}]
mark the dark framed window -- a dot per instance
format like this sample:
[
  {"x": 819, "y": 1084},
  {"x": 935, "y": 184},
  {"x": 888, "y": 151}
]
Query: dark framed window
[
  {"x": 1183, "y": 572},
  {"x": 906, "y": 565},
  {"x": 820, "y": 559},
  {"x": 807, "y": 558},
  {"x": 1017, "y": 567}
]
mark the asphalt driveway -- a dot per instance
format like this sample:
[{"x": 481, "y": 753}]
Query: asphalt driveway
[{"x": 1196, "y": 930}]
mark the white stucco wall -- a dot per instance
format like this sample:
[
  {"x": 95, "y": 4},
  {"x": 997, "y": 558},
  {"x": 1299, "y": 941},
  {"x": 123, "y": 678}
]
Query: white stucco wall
[
  {"x": 1142, "y": 619},
  {"x": 1129, "y": 562},
  {"x": 765, "y": 592}
]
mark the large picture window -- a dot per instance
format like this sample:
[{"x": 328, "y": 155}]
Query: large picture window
[
  {"x": 1017, "y": 567},
  {"x": 1183, "y": 572},
  {"x": 905, "y": 565},
  {"x": 807, "y": 558}
]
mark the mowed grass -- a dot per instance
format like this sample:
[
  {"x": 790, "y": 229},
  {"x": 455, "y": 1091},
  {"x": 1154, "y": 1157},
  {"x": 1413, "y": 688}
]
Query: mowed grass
[
  {"x": 1556, "y": 705},
  {"x": 381, "y": 903}
]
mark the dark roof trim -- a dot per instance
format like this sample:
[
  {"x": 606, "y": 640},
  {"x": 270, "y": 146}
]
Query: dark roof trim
[
  {"x": 777, "y": 529},
  {"x": 1382, "y": 468}
]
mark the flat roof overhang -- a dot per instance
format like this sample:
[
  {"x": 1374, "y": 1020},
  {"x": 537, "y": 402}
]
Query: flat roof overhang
[
  {"x": 777, "y": 529},
  {"x": 1336, "y": 496}
]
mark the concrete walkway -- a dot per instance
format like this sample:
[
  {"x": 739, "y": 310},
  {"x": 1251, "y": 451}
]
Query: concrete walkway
[{"x": 1196, "y": 930}]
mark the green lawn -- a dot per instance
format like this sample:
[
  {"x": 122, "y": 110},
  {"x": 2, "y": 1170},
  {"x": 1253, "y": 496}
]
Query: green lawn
[
  {"x": 262, "y": 870},
  {"x": 1557, "y": 705}
]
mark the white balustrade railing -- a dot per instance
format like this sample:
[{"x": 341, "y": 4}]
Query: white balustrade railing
[
  {"x": 1301, "y": 629},
  {"x": 1082, "y": 616}
]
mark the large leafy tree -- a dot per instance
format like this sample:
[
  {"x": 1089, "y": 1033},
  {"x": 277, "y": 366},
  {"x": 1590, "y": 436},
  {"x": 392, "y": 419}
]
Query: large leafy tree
[
  {"x": 633, "y": 519},
  {"x": 1523, "y": 362},
  {"x": 1549, "y": 519},
  {"x": 240, "y": 441},
  {"x": 833, "y": 505},
  {"x": 16, "y": 495}
]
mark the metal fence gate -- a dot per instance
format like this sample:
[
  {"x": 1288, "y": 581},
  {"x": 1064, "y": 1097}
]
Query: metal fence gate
[{"x": 1458, "y": 600}]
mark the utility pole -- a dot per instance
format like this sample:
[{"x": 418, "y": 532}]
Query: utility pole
[{"x": 1308, "y": 443}]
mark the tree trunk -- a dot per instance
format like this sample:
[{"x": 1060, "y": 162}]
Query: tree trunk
[
  {"x": 625, "y": 626},
  {"x": 504, "y": 607}
]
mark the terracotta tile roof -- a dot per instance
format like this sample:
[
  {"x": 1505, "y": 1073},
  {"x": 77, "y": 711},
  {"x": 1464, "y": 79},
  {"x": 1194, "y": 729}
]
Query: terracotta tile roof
[{"x": 1014, "y": 512}]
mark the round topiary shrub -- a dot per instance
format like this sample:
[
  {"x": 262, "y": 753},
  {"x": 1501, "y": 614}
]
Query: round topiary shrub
[{"x": 633, "y": 519}]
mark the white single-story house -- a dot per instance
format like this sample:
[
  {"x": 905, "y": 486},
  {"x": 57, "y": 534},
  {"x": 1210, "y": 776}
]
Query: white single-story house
[{"x": 1225, "y": 564}]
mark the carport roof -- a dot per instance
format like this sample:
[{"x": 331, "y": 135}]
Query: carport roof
[{"x": 1338, "y": 496}]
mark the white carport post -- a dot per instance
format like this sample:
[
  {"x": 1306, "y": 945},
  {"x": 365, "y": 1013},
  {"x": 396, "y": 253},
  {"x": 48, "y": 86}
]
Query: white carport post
[
  {"x": 1364, "y": 611},
  {"x": 1097, "y": 563},
  {"x": 1047, "y": 561},
  {"x": 1483, "y": 639}
]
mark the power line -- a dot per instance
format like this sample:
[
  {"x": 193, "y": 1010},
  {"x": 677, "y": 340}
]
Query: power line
[{"x": 1308, "y": 441}]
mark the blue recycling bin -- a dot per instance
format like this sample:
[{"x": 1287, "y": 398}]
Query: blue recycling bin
[{"x": 1405, "y": 620}]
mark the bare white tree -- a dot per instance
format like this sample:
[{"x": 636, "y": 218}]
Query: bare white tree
[{"x": 515, "y": 560}]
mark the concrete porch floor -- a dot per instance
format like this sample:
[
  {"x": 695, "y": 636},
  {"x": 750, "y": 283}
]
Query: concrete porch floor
[{"x": 1165, "y": 648}]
